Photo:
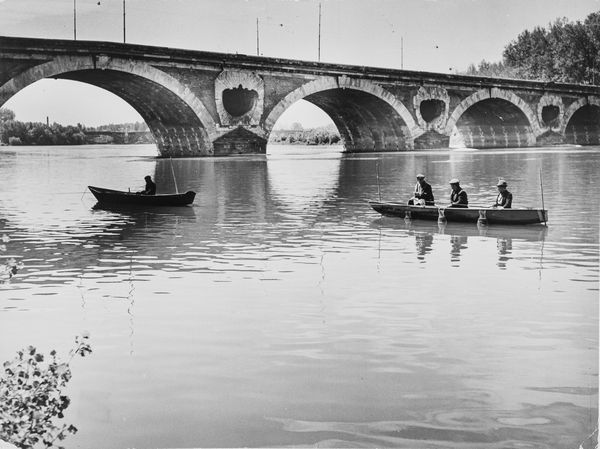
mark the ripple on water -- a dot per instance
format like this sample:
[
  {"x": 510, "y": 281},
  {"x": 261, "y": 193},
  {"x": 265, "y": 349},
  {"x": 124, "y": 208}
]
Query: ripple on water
[{"x": 281, "y": 293}]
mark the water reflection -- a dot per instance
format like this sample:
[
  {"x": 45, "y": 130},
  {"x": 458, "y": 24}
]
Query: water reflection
[
  {"x": 504, "y": 250},
  {"x": 458, "y": 243},
  {"x": 426, "y": 233},
  {"x": 424, "y": 243},
  {"x": 281, "y": 295}
]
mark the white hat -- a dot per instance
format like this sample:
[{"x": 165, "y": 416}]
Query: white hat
[
  {"x": 501, "y": 183},
  {"x": 420, "y": 175},
  {"x": 454, "y": 181}
]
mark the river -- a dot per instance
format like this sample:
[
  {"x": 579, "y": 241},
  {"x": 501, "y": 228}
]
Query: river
[{"x": 280, "y": 310}]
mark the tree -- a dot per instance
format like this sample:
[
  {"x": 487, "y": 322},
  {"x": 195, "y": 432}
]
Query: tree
[
  {"x": 592, "y": 24},
  {"x": 31, "y": 396},
  {"x": 529, "y": 54},
  {"x": 6, "y": 115},
  {"x": 492, "y": 70},
  {"x": 564, "y": 51}
]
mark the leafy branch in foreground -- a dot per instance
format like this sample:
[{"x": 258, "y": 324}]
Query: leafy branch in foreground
[
  {"x": 31, "y": 396},
  {"x": 10, "y": 268}
]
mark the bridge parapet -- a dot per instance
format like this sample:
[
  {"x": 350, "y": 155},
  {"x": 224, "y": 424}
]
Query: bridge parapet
[{"x": 203, "y": 104}]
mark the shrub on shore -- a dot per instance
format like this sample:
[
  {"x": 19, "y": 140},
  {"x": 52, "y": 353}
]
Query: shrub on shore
[{"x": 31, "y": 396}]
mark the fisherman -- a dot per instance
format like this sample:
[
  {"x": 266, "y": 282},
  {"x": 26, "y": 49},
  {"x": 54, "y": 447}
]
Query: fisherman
[
  {"x": 504, "y": 198},
  {"x": 458, "y": 197},
  {"x": 150, "y": 187},
  {"x": 423, "y": 193}
]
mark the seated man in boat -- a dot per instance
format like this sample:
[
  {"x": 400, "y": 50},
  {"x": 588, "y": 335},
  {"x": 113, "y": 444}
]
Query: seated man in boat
[
  {"x": 504, "y": 198},
  {"x": 458, "y": 197},
  {"x": 423, "y": 193},
  {"x": 150, "y": 187}
]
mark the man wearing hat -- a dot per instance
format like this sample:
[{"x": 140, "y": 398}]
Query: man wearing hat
[
  {"x": 423, "y": 193},
  {"x": 150, "y": 186},
  {"x": 504, "y": 198},
  {"x": 458, "y": 197}
]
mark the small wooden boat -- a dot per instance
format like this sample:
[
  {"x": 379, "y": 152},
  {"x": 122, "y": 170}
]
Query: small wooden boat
[
  {"x": 117, "y": 197},
  {"x": 467, "y": 214}
]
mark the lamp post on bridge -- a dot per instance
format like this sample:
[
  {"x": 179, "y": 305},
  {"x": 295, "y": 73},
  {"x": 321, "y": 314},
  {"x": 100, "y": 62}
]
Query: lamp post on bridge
[
  {"x": 264, "y": 22},
  {"x": 257, "y": 39},
  {"x": 75, "y": 20},
  {"x": 402, "y": 52},
  {"x": 123, "y": 21},
  {"x": 319, "y": 38}
]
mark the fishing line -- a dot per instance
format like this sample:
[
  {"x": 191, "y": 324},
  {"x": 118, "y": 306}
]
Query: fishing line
[{"x": 377, "y": 174}]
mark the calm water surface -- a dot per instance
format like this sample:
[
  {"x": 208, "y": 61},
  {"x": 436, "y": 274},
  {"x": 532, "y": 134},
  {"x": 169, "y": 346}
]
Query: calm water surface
[{"x": 280, "y": 310}]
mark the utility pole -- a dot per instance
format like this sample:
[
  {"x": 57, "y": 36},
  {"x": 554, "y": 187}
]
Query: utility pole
[
  {"x": 402, "y": 52},
  {"x": 75, "y": 20},
  {"x": 257, "y": 40},
  {"x": 123, "y": 21},
  {"x": 319, "y": 40}
]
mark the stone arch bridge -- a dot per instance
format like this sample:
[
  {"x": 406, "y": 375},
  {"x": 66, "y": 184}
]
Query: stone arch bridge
[{"x": 210, "y": 104}]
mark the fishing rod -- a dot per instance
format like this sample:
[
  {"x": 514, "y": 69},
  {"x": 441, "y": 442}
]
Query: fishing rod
[
  {"x": 542, "y": 190},
  {"x": 173, "y": 172}
]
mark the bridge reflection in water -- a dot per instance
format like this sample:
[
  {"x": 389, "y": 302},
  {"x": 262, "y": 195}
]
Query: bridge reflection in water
[
  {"x": 280, "y": 200},
  {"x": 282, "y": 307}
]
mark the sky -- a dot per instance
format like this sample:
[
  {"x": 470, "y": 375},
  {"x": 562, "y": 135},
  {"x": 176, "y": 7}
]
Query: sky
[{"x": 438, "y": 35}]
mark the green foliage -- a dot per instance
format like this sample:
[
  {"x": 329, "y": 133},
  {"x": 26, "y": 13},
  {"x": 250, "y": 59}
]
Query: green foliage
[
  {"x": 563, "y": 52},
  {"x": 31, "y": 396}
]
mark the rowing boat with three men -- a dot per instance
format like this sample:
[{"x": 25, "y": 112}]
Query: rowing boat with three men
[{"x": 421, "y": 206}]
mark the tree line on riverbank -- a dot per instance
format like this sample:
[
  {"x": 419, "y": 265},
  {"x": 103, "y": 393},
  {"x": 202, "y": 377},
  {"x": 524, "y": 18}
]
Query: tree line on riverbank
[
  {"x": 564, "y": 51},
  {"x": 324, "y": 135},
  {"x": 14, "y": 132}
]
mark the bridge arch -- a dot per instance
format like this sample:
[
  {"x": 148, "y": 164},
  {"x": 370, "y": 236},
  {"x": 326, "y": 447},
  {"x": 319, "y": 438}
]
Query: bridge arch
[
  {"x": 179, "y": 121},
  {"x": 581, "y": 121},
  {"x": 512, "y": 122},
  {"x": 368, "y": 117}
]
